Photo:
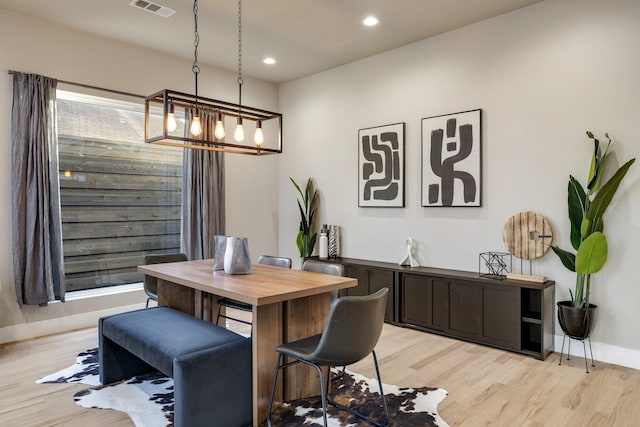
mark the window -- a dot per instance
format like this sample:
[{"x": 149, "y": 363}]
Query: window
[{"x": 120, "y": 198}]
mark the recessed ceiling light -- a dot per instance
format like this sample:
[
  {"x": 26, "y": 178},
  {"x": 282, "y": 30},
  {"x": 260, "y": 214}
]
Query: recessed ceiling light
[
  {"x": 269, "y": 60},
  {"x": 370, "y": 21}
]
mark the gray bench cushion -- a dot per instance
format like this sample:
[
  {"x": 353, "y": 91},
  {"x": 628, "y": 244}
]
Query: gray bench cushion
[{"x": 158, "y": 335}]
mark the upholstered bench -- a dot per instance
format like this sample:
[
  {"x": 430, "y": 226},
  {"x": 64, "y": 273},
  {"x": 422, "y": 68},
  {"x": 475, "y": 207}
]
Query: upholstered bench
[{"x": 210, "y": 366}]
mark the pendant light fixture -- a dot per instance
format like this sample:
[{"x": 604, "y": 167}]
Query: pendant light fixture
[
  {"x": 239, "y": 133},
  {"x": 196, "y": 123},
  {"x": 167, "y": 110}
]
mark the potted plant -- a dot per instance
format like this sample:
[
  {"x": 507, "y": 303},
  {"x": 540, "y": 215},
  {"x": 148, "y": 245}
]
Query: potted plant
[
  {"x": 586, "y": 210},
  {"x": 306, "y": 238}
]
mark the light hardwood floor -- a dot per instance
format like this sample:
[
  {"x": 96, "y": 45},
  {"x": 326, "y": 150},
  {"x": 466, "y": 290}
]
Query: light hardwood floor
[{"x": 486, "y": 386}]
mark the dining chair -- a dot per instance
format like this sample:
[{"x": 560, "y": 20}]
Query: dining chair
[
  {"x": 276, "y": 261},
  {"x": 150, "y": 282},
  {"x": 350, "y": 334},
  {"x": 325, "y": 268}
]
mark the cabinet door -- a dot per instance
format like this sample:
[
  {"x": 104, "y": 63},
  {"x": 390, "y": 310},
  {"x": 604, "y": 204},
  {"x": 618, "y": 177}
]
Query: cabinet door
[
  {"x": 416, "y": 300},
  {"x": 379, "y": 279},
  {"x": 362, "y": 274},
  {"x": 501, "y": 319},
  {"x": 465, "y": 314},
  {"x": 440, "y": 304}
]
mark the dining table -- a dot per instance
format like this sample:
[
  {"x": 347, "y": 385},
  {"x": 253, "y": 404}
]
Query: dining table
[{"x": 287, "y": 305}]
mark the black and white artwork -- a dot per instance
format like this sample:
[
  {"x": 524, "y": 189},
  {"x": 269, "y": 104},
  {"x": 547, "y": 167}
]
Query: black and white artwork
[
  {"x": 451, "y": 160},
  {"x": 381, "y": 166}
]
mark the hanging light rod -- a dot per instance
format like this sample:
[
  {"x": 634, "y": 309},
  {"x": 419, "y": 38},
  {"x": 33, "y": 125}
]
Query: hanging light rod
[
  {"x": 164, "y": 110},
  {"x": 164, "y": 106}
]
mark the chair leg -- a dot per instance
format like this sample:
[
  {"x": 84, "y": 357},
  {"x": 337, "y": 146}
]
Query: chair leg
[
  {"x": 359, "y": 415},
  {"x": 339, "y": 375},
  {"x": 384, "y": 402},
  {"x": 147, "y": 306},
  {"x": 281, "y": 365},
  {"x": 232, "y": 318},
  {"x": 324, "y": 396},
  {"x": 219, "y": 312}
]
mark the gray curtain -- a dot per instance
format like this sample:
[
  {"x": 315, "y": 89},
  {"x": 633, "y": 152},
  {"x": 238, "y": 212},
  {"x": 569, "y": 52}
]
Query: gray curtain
[
  {"x": 203, "y": 198},
  {"x": 37, "y": 230}
]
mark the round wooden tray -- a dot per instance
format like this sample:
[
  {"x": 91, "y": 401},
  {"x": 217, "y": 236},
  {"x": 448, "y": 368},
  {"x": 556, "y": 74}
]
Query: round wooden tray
[{"x": 527, "y": 235}]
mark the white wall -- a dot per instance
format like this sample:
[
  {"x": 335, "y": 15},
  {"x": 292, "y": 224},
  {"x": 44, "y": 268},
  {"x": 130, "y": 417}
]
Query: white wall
[
  {"x": 32, "y": 45},
  {"x": 542, "y": 76}
]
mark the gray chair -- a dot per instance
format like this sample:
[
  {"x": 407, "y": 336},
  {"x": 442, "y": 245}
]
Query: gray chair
[
  {"x": 350, "y": 334},
  {"x": 326, "y": 268},
  {"x": 150, "y": 282},
  {"x": 276, "y": 261},
  {"x": 230, "y": 303},
  {"x": 323, "y": 267}
]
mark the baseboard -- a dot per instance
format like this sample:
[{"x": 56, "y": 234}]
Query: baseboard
[
  {"x": 602, "y": 352},
  {"x": 42, "y": 328}
]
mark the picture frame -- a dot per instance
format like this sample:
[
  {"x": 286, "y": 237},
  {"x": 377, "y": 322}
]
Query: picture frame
[
  {"x": 452, "y": 160},
  {"x": 381, "y": 166}
]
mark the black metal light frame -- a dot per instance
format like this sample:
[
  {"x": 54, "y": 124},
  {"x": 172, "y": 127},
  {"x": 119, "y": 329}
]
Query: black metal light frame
[{"x": 165, "y": 98}]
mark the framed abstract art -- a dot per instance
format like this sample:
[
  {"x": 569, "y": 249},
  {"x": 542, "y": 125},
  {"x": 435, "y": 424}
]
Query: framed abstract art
[
  {"x": 451, "y": 160},
  {"x": 381, "y": 166}
]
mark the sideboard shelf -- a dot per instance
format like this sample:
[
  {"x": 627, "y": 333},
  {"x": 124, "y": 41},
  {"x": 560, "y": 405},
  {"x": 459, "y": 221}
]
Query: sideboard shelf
[{"x": 507, "y": 314}]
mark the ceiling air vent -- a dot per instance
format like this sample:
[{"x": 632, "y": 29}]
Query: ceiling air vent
[{"x": 152, "y": 7}]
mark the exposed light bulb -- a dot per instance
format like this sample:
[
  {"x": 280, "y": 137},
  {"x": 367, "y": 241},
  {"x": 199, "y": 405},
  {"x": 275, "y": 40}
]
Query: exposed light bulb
[
  {"x": 239, "y": 134},
  {"x": 171, "y": 122},
  {"x": 196, "y": 125},
  {"x": 171, "y": 118},
  {"x": 258, "y": 138},
  {"x": 218, "y": 131}
]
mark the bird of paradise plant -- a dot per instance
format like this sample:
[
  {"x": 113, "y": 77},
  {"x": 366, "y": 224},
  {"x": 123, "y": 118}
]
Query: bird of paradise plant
[{"x": 586, "y": 211}]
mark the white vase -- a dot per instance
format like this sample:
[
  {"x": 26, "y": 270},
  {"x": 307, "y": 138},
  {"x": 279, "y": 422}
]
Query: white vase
[
  {"x": 220, "y": 249},
  {"x": 236, "y": 256}
]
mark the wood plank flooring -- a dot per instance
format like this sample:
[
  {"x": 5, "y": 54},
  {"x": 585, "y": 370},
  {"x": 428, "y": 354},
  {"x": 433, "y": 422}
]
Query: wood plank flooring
[{"x": 486, "y": 386}]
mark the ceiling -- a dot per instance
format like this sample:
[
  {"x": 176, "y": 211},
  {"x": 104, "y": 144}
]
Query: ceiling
[{"x": 304, "y": 36}]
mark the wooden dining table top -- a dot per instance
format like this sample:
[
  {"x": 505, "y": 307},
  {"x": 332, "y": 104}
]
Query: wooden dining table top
[{"x": 265, "y": 285}]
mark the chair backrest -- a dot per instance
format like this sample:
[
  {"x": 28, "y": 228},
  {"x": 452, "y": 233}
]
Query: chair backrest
[
  {"x": 278, "y": 261},
  {"x": 150, "y": 282},
  {"x": 326, "y": 268},
  {"x": 352, "y": 330},
  {"x": 323, "y": 267}
]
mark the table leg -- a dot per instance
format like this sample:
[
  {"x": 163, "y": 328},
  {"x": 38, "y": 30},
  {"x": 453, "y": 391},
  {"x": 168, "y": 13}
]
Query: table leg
[
  {"x": 177, "y": 297},
  {"x": 266, "y": 335},
  {"x": 303, "y": 317}
]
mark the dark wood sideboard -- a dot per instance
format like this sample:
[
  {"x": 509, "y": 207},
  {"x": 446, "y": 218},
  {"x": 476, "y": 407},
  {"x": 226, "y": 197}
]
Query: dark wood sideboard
[{"x": 511, "y": 315}]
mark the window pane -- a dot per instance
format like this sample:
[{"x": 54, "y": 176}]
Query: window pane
[{"x": 120, "y": 198}]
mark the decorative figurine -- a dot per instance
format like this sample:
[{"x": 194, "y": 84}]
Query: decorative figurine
[{"x": 410, "y": 258}]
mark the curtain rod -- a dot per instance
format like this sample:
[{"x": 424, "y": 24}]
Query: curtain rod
[{"x": 119, "y": 92}]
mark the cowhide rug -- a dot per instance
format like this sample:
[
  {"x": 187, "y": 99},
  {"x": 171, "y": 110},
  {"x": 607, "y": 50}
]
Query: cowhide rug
[{"x": 148, "y": 399}]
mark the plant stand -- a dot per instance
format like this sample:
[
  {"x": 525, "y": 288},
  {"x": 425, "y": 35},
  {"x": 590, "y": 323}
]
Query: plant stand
[{"x": 584, "y": 347}]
